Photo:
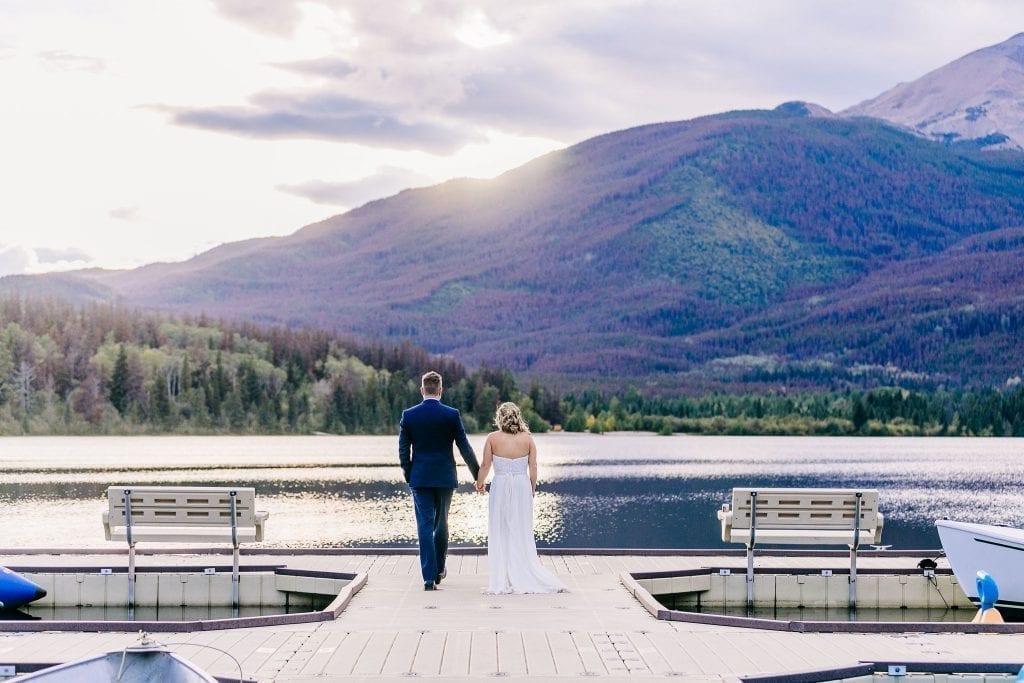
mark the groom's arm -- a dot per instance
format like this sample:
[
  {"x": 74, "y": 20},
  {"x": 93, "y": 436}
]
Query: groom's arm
[
  {"x": 404, "y": 450},
  {"x": 465, "y": 449}
]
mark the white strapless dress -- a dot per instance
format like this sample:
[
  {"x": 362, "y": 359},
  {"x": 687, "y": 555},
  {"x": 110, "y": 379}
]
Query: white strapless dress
[{"x": 511, "y": 548}]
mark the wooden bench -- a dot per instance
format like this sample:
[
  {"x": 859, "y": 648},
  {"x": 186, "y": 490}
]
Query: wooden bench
[
  {"x": 182, "y": 514},
  {"x": 847, "y": 517}
]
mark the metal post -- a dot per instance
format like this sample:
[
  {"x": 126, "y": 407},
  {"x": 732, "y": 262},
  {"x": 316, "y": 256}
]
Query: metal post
[
  {"x": 750, "y": 550},
  {"x": 853, "y": 552},
  {"x": 234, "y": 543},
  {"x": 126, "y": 496}
]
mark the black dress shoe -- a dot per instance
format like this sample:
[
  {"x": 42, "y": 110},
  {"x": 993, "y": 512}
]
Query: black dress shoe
[
  {"x": 429, "y": 586},
  {"x": 440, "y": 575}
]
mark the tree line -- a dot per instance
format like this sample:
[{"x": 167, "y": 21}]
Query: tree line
[
  {"x": 105, "y": 369},
  {"x": 881, "y": 411}
]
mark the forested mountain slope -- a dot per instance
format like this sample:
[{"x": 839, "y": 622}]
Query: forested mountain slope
[{"x": 764, "y": 248}]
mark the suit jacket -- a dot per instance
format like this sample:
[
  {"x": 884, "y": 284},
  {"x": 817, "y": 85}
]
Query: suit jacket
[{"x": 426, "y": 434}]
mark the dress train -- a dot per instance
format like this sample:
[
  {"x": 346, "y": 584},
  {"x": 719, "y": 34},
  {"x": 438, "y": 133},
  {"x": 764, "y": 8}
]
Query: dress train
[{"x": 511, "y": 547}]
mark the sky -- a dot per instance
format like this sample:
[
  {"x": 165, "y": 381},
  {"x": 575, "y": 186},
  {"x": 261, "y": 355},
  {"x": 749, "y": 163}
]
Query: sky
[{"x": 136, "y": 131}]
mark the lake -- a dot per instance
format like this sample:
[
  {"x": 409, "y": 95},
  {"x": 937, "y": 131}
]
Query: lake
[{"x": 613, "y": 490}]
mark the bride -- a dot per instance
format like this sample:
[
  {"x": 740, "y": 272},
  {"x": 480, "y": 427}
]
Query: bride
[{"x": 511, "y": 548}]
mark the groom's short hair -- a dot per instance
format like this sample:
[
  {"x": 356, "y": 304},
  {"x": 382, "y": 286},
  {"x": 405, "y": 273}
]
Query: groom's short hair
[{"x": 431, "y": 383}]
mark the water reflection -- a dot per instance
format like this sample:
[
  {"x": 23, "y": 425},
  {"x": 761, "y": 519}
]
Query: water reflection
[
  {"x": 864, "y": 614},
  {"x": 596, "y": 491}
]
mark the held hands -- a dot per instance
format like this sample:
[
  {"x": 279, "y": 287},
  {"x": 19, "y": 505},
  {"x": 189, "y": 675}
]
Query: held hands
[{"x": 479, "y": 487}]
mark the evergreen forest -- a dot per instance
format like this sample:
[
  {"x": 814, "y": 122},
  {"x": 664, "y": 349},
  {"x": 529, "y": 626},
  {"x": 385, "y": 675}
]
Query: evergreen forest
[{"x": 107, "y": 369}]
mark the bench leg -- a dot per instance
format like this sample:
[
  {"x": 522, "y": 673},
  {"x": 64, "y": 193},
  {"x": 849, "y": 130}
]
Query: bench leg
[
  {"x": 750, "y": 578},
  {"x": 853, "y": 579},
  {"x": 234, "y": 581},
  {"x": 131, "y": 581}
]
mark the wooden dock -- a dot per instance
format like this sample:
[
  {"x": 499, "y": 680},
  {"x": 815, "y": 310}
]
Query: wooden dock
[{"x": 393, "y": 630}]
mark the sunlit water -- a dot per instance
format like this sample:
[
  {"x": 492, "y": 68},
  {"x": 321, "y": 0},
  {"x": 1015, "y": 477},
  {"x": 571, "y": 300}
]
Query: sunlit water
[{"x": 614, "y": 490}]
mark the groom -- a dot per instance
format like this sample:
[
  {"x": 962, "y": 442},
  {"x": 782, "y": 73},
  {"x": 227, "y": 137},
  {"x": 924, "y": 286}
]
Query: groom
[{"x": 428, "y": 431}]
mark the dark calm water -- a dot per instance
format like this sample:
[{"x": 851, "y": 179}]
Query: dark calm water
[
  {"x": 615, "y": 490},
  {"x": 903, "y": 615},
  {"x": 143, "y": 613}
]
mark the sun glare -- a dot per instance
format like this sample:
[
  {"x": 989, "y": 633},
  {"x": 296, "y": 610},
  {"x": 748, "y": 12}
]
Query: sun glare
[{"x": 477, "y": 32}]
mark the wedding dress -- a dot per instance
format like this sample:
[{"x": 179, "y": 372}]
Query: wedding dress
[{"x": 511, "y": 548}]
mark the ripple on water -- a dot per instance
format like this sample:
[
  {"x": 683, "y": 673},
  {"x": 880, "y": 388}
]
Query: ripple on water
[{"x": 617, "y": 490}]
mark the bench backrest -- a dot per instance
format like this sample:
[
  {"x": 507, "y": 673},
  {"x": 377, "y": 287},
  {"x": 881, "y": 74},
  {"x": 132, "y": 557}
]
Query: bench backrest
[
  {"x": 796, "y": 509},
  {"x": 183, "y": 506}
]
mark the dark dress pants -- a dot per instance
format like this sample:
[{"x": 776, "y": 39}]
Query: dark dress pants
[{"x": 432, "y": 528}]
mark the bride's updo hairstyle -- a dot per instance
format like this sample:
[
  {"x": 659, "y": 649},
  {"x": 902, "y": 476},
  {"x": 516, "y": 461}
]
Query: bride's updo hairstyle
[{"x": 509, "y": 419}]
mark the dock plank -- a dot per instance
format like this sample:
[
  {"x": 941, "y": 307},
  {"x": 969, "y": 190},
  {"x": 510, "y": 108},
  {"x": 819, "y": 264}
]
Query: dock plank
[
  {"x": 402, "y": 653},
  {"x": 564, "y": 653},
  {"x": 511, "y": 658},
  {"x": 754, "y": 652},
  {"x": 656, "y": 663},
  {"x": 254, "y": 648},
  {"x": 537, "y": 650},
  {"x": 457, "y": 652},
  {"x": 343, "y": 661},
  {"x": 588, "y": 653},
  {"x": 609, "y": 655},
  {"x": 210, "y": 650},
  {"x": 272, "y": 665},
  {"x": 79, "y": 645},
  {"x": 331, "y": 642},
  {"x": 670, "y": 648},
  {"x": 429, "y": 654},
  {"x": 375, "y": 653},
  {"x": 703, "y": 653},
  {"x": 483, "y": 653},
  {"x": 791, "y": 654},
  {"x": 15, "y": 647},
  {"x": 301, "y": 649}
]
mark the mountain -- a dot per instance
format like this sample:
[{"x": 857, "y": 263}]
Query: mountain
[
  {"x": 977, "y": 99},
  {"x": 744, "y": 250}
]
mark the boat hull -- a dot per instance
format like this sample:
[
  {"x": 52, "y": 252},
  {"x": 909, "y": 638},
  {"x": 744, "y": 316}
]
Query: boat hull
[
  {"x": 998, "y": 550},
  {"x": 129, "y": 666},
  {"x": 16, "y": 590}
]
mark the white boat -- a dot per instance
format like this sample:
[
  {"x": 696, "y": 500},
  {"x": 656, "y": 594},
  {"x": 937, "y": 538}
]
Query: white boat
[
  {"x": 144, "y": 662},
  {"x": 998, "y": 550}
]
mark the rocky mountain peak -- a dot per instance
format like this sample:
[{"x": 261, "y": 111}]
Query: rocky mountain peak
[{"x": 976, "y": 99}]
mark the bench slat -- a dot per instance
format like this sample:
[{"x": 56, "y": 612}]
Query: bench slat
[
  {"x": 803, "y": 516},
  {"x": 183, "y": 514}
]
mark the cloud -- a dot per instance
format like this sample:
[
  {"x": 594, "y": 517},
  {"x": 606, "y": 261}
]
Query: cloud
[
  {"x": 326, "y": 67},
  {"x": 16, "y": 259},
  {"x": 68, "y": 61},
  {"x": 125, "y": 213},
  {"x": 432, "y": 76},
  {"x": 409, "y": 77},
  {"x": 385, "y": 182},
  {"x": 328, "y": 116},
  {"x": 67, "y": 255},
  {"x": 275, "y": 17},
  {"x": 530, "y": 99},
  {"x": 412, "y": 76}
]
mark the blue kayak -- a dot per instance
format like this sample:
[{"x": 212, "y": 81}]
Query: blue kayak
[{"x": 16, "y": 590}]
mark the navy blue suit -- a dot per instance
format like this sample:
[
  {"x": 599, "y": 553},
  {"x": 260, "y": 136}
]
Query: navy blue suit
[{"x": 425, "y": 439}]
